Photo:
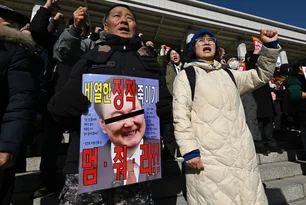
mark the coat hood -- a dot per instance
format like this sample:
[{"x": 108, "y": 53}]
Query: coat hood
[{"x": 14, "y": 36}]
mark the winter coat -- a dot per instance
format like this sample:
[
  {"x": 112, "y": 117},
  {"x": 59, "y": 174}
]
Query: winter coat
[
  {"x": 67, "y": 51},
  {"x": 40, "y": 32},
  {"x": 297, "y": 85},
  {"x": 18, "y": 87},
  {"x": 70, "y": 46},
  {"x": 116, "y": 56},
  {"x": 250, "y": 110},
  {"x": 214, "y": 123},
  {"x": 263, "y": 98}
]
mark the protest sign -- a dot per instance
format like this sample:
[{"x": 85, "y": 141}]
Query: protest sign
[{"x": 120, "y": 134}]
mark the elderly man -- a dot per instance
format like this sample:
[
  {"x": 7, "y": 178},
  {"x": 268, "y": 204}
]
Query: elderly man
[{"x": 120, "y": 54}]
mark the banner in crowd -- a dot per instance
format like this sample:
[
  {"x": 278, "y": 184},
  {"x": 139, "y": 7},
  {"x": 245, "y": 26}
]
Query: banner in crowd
[
  {"x": 120, "y": 134},
  {"x": 242, "y": 66},
  {"x": 257, "y": 43}
]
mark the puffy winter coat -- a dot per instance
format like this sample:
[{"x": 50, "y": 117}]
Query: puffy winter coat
[
  {"x": 18, "y": 87},
  {"x": 215, "y": 124}
]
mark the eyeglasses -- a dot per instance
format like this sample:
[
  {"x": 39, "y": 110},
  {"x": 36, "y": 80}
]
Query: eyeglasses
[{"x": 210, "y": 40}]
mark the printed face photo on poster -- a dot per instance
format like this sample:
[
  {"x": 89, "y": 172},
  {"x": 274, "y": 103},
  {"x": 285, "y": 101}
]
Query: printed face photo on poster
[{"x": 121, "y": 109}]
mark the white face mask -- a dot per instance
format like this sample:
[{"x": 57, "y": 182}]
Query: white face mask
[{"x": 234, "y": 65}]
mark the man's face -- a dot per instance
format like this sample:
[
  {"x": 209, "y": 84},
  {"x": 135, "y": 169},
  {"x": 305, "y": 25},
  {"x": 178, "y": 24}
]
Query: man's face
[
  {"x": 150, "y": 43},
  {"x": 127, "y": 132},
  {"x": 120, "y": 22},
  {"x": 175, "y": 57},
  {"x": 205, "y": 47},
  {"x": 8, "y": 22}
]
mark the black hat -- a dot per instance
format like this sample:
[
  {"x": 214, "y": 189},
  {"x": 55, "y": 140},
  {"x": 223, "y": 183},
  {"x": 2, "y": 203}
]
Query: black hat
[
  {"x": 285, "y": 68},
  {"x": 16, "y": 17},
  {"x": 228, "y": 56}
]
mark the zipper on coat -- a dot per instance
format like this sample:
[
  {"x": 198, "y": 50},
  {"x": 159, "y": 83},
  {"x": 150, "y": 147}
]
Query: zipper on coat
[{"x": 123, "y": 60}]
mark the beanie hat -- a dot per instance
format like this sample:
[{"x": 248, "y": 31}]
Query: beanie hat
[
  {"x": 228, "y": 56},
  {"x": 197, "y": 35},
  {"x": 284, "y": 68}
]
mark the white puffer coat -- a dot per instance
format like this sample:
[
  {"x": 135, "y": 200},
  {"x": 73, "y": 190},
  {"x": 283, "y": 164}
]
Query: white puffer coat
[{"x": 215, "y": 124}]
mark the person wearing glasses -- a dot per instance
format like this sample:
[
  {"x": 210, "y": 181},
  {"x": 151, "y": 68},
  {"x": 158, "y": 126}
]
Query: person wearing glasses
[{"x": 210, "y": 127}]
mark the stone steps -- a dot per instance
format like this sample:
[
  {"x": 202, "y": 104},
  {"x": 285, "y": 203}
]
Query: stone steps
[
  {"x": 286, "y": 190},
  {"x": 289, "y": 155},
  {"x": 282, "y": 173},
  {"x": 281, "y": 170},
  {"x": 299, "y": 202}
]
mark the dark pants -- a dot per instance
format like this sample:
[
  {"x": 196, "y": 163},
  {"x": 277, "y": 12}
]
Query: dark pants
[
  {"x": 303, "y": 132},
  {"x": 169, "y": 139},
  {"x": 51, "y": 141},
  {"x": 7, "y": 181},
  {"x": 278, "y": 116},
  {"x": 266, "y": 129}
]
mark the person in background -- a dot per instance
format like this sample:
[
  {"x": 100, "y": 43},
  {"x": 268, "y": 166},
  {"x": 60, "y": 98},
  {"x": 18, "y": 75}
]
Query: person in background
[
  {"x": 221, "y": 52},
  {"x": 265, "y": 110},
  {"x": 150, "y": 46},
  {"x": 210, "y": 128},
  {"x": 171, "y": 64},
  {"x": 67, "y": 106},
  {"x": 249, "y": 104},
  {"x": 19, "y": 94},
  {"x": 297, "y": 92}
]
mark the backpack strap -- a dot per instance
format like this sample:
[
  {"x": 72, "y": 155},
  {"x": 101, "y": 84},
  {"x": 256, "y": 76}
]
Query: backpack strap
[
  {"x": 190, "y": 72},
  {"x": 231, "y": 75}
]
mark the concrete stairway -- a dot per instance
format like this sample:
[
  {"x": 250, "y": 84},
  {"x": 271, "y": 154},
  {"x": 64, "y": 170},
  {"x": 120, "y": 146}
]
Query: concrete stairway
[
  {"x": 282, "y": 173},
  {"x": 26, "y": 183}
]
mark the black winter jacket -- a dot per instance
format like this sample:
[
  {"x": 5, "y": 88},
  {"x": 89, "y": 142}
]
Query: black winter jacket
[
  {"x": 18, "y": 89},
  {"x": 117, "y": 56}
]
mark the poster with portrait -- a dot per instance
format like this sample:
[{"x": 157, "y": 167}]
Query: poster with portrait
[{"x": 120, "y": 134}]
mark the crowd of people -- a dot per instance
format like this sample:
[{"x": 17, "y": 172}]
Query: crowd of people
[{"x": 212, "y": 114}]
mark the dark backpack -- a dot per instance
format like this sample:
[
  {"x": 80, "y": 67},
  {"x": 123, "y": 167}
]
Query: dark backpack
[{"x": 190, "y": 72}]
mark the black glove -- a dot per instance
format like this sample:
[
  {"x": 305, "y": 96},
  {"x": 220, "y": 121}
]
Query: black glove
[
  {"x": 65, "y": 105},
  {"x": 164, "y": 111}
]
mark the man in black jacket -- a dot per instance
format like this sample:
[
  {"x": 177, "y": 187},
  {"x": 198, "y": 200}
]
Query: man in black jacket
[
  {"x": 265, "y": 112},
  {"x": 19, "y": 94},
  {"x": 120, "y": 54}
]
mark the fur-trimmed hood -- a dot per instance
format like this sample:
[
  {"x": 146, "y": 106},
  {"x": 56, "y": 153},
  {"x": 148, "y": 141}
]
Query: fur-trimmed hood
[{"x": 15, "y": 36}]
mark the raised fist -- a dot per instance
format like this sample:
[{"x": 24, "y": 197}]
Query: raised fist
[
  {"x": 52, "y": 5},
  {"x": 80, "y": 17},
  {"x": 58, "y": 16},
  {"x": 268, "y": 36},
  {"x": 98, "y": 29}
]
